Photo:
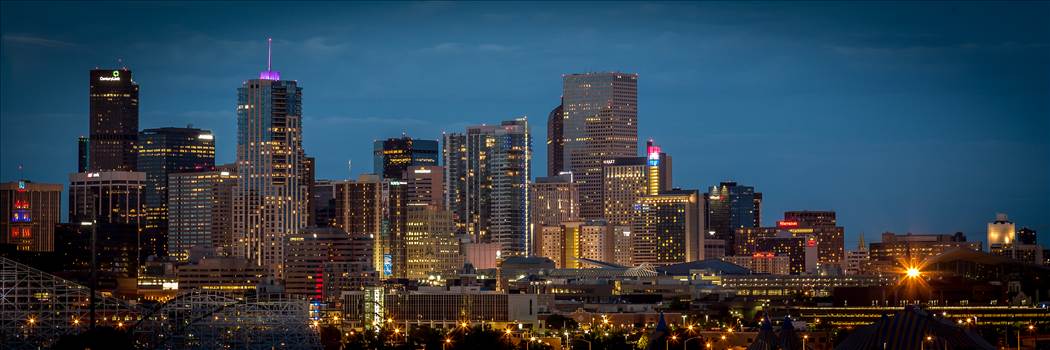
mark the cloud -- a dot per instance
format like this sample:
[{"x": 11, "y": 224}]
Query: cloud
[
  {"x": 444, "y": 48},
  {"x": 495, "y": 48},
  {"x": 850, "y": 50},
  {"x": 322, "y": 45},
  {"x": 27, "y": 39},
  {"x": 343, "y": 120},
  {"x": 455, "y": 47}
]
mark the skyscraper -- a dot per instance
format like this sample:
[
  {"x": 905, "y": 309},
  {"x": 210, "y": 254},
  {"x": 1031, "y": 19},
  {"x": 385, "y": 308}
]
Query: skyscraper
[
  {"x": 200, "y": 211},
  {"x": 668, "y": 228},
  {"x": 430, "y": 245},
  {"x": 424, "y": 185},
  {"x": 113, "y": 197},
  {"x": 624, "y": 181},
  {"x": 113, "y": 106},
  {"x": 495, "y": 173},
  {"x": 31, "y": 211},
  {"x": 554, "y": 200},
  {"x": 555, "y": 141},
  {"x": 308, "y": 254},
  {"x": 454, "y": 159},
  {"x": 270, "y": 199},
  {"x": 322, "y": 203},
  {"x": 819, "y": 226},
  {"x": 729, "y": 207},
  {"x": 83, "y": 152},
  {"x": 392, "y": 156},
  {"x": 161, "y": 152},
  {"x": 600, "y": 122},
  {"x": 359, "y": 208},
  {"x": 113, "y": 201}
]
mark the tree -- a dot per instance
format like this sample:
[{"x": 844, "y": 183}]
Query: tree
[{"x": 558, "y": 322}]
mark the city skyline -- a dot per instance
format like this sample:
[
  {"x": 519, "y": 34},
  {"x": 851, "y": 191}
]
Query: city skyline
[{"x": 944, "y": 122}]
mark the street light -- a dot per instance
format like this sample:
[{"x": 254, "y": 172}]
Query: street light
[
  {"x": 685, "y": 344},
  {"x": 667, "y": 344},
  {"x": 94, "y": 268},
  {"x": 447, "y": 341},
  {"x": 804, "y": 338}
]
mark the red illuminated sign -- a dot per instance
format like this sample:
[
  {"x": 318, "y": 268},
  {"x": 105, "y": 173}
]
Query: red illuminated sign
[
  {"x": 21, "y": 204},
  {"x": 811, "y": 243},
  {"x": 786, "y": 224}
]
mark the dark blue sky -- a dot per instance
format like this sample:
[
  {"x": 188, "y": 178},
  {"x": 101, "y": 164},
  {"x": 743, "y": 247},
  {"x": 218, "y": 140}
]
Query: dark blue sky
[{"x": 899, "y": 116}]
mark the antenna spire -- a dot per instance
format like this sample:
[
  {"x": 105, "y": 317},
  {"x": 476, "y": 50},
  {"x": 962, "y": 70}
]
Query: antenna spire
[{"x": 269, "y": 48}]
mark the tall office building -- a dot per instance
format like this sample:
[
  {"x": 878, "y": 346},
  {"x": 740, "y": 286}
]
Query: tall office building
[
  {"x": 83, "y": 154},
  {"x": 658, "y": 176},
  {"x": 495, "y": 181},
  {"x": 626, "y": 180},
  {"x": 161, "y": 152},
  {"x": 394, "y": 218},
  {"x": 322, "y": 203},
  {"x": 309, "y": 175},
  {"x": 200, "y": 211},
  {"x": 597, "y": 242},
  {"x": 107, "y": 197},
  {"x": 359, "y": 208},
  {"x": 801, "y": 252},
  {"x": 555, "y": 141},
  {"x": 1001, "y": 231},
  {"x": 310, "y": 252},
  {"x": 454, "y": 159},
  {"x": 425, "y": 185},
  {"x": 554, "y": 200},
  {"x": 270, "y": 199},
  {"x": 729, "y": 207},
  {"x": 819, "y": 226},
  {"x": 114, "y": 116},
  {"x": 392, "y": 156},
  {"x": 431, "y": 249},
  {"x": 32, "y": 211},
  {"x": 600, "y": 122},
  {"x": 113, "y": 201},
  {"x": 669, "y": 228}
]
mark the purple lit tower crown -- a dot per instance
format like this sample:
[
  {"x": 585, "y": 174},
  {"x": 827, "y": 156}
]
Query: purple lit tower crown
[{"x": 269, "y": 73}]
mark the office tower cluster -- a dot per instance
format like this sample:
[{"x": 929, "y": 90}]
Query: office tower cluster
[{"x": 430, "y": 211}]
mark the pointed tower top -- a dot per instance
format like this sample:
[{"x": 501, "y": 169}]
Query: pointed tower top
[
  {"x": 860, "y": 243},
  {"x": 269, "y": 74}
]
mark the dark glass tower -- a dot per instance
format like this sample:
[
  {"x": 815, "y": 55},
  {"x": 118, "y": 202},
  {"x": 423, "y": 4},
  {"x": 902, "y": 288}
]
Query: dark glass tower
[
  {"x": 161, "y": 152},
  {"x": 729, "y": 207},
  {"x": 83, "y": 149},
  {"x": 392, "y": 156},
  {"x": 114, "y": 113},
  {"x": 555, "y": 141}
]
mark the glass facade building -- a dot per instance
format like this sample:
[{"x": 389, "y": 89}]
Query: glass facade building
[
  {"x": 599, "y": 122},
  {"x": 113, "y": 106},
  {"x": 161, "y": 152}
]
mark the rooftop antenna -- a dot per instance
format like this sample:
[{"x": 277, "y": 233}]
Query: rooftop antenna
[
  {"x": 269, "y": 46},
  {"x": 349, "y": 168}
]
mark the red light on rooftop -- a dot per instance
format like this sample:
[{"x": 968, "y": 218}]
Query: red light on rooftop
[{"x": 786, "y": 223}]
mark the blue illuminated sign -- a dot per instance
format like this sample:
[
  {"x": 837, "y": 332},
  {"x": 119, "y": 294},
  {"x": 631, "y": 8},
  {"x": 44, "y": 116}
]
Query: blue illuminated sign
[{"x": 388, "y": 265}]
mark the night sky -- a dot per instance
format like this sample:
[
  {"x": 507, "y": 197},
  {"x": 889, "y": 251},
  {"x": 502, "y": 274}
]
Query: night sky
[{"x": 927, "y": 118}]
